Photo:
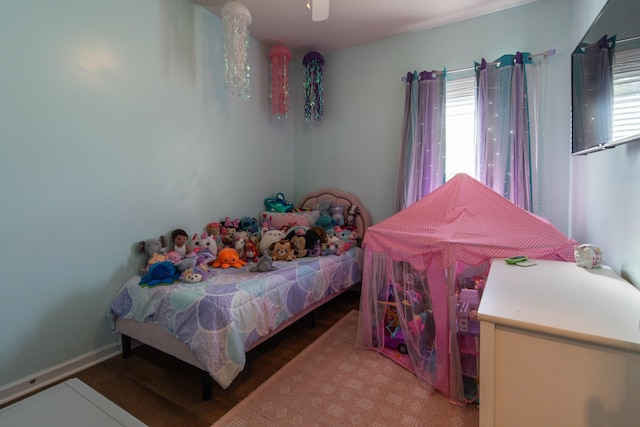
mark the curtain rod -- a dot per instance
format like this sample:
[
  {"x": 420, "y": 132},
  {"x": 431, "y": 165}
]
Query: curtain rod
[
  {"x": 546, "y": 53},
  {"x": 628, "y": 39}
]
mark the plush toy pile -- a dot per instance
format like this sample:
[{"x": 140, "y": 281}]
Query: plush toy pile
[{"x": 280, "y": 234}]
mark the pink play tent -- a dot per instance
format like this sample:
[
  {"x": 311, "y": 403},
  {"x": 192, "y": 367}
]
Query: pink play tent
[{"x": 424, "y": 272}]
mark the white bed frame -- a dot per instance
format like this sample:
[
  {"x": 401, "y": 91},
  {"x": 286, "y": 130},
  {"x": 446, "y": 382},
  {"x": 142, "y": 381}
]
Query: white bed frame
[{"x": 155, "y": 336}]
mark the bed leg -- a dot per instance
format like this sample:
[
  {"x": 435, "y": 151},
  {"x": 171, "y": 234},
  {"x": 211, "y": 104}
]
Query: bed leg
[
  {"x": 207, "y": 386},
  {"x": 126, "y": 346}
]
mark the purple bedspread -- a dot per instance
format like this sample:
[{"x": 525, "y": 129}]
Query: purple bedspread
[{"x": 221, "y": 317}]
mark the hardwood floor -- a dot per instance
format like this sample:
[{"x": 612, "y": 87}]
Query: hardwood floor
[{"x": 160, "y": 390}]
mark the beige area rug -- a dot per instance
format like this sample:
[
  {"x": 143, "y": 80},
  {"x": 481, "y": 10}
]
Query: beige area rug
[{"x": 332, "y": 383}]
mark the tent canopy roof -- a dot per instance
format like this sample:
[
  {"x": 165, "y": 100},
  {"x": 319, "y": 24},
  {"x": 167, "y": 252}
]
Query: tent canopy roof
[{"x": 464, "y": 220}]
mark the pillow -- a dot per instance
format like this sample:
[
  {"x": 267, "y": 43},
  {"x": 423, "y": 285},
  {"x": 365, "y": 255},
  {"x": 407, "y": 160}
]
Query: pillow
[{"x": 291, "y": 219}]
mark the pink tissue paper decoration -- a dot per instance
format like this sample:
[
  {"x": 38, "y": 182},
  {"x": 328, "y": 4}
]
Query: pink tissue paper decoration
[{"x": 280, "y": 57}]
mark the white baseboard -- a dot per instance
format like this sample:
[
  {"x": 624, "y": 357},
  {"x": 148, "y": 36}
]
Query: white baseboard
[{"x": 43, "y": 378}]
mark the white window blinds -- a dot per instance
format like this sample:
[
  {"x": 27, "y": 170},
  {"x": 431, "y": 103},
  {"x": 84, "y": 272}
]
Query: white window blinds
[{"x": 626, "y": 94}]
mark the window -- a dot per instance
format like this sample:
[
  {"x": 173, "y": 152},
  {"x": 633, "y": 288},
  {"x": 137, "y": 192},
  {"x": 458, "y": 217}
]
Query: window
[
  {"x": 460, "y": 155},
  {"x": 626, "y": 94}
]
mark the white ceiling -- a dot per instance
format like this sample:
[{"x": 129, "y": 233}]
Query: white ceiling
[{"x": 352, "y": 22}]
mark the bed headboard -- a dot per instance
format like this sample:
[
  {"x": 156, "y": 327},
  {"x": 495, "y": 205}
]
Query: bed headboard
[{"x": 362, "y": 220}]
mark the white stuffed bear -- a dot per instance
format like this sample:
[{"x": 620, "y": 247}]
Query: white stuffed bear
[
  {"x": 268, "y": 238},
  {"x": 204, "y": 241}
]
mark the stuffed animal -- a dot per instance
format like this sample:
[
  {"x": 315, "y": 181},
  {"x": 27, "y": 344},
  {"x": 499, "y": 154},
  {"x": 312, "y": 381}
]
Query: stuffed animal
[
  {"x": 250, "y": 252},
  {"x": 316, "y": 250},
  {"x": 315, "y": 235},
  {"x": 227, "y": 236},
  {"x": 181, "y": 264},
  {"x": 156, "y": 258},
  {"x": 278, "y": 204},
  {"x": 588, "y": 256},
  {"x": 336, "y": 215},
  {"x": 352, "y": 212},
  {"x": 214, "y": 229},
  {"x": 324, "y": 206},
  {"x": 268, "y": 238},
  {"x": 281, "y": 251},
  {"x": 264, "y": 264},
  {"x": 179, "y": 239},
  {"x": 160, "y": 273},
  {"x": 191, "y": 276},
  {"x": 333, "y": 246},
  {"x": 203, "y": 259},
  {"x": 239, "y": 240},
  {"x": 325, "y": 221},
  {"x": 228, "y": 257},
  {"x": 299, "y": 246},
  {"x": 231, "y": 223},
  {"x": 149, "y": 248},
  {"x": 250, "y": 225},
  {"x": 204, "y": 241}
]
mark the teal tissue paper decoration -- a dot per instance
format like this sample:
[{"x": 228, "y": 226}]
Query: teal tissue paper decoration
[{"x": 313, "y": 84}]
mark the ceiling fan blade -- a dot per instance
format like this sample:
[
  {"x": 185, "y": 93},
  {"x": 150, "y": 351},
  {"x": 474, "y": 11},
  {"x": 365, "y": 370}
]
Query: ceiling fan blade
[{"x": 319, "y": 10}]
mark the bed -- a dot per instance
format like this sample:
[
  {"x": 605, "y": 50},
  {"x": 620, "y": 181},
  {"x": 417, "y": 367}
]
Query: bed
[{"x": 213, "y": 323}]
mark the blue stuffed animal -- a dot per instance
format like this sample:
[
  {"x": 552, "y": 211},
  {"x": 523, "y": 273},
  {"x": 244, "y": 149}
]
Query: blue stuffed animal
[
  {"x": 337, "y": 215},
  {"x": 325, "y": 221},
  {"x": 160, "y": 273}
]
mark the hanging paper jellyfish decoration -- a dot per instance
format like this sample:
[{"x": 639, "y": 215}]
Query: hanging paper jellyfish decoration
[
  {"x": 236, "y": 18},
  {"x": 280, "y": 57},
  {"x": 313, "y": 62}
]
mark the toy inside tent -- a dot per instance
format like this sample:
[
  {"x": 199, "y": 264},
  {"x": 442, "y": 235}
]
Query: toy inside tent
[{"x": 425, "y": 269}]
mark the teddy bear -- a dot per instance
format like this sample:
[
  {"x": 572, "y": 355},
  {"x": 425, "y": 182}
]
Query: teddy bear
[
  {"x": 150, "y": 248},
  {"x": 190, "y": 276},
  {"x": 281, "y": 251}
]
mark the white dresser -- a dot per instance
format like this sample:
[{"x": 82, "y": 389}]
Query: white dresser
[{"x": 559, "y": 346}]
